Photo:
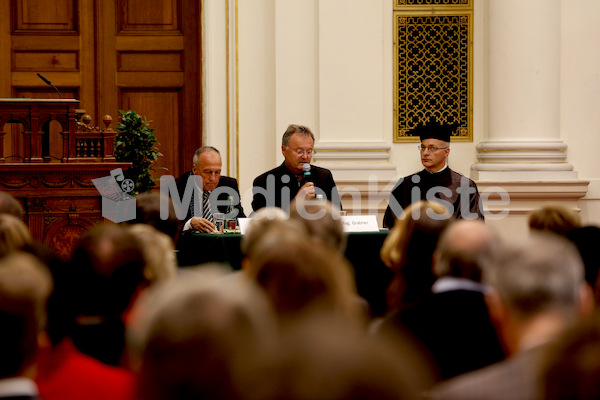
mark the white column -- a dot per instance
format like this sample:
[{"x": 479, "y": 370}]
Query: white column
[
  {"x": 353, "y": 93},
  {"x": 524, "y": 94},
  {"x": 524, "y": 155}
]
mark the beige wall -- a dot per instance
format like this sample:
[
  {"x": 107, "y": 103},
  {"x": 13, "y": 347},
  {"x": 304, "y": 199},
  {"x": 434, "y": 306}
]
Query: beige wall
[{"x": 328, "y": 64}]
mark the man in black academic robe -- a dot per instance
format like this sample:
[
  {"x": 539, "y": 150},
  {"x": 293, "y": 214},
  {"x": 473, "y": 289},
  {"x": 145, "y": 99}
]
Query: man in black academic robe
[
  {"x": 437, "y": 181},
  {"x": 279, "y": 186}
]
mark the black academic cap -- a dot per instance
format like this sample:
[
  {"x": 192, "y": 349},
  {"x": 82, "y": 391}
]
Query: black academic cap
[{"x": 434, "y": 130}]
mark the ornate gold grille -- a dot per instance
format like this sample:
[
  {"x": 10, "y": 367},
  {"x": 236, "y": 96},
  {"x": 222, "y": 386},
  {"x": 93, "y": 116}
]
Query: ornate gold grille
[
  {"x": 403, "y": 3},
  {"x": 433, "y": 68}
]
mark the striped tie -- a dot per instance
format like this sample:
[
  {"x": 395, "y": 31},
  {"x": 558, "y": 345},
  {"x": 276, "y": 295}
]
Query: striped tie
[{"x": 206, "y": 213}]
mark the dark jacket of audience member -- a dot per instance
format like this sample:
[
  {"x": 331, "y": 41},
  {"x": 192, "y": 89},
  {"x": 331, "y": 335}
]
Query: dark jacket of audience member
[
  {"x": 453, "y": 323},
  {"x": 538, "y": 291},
  {"x": 108, "y": 265}
]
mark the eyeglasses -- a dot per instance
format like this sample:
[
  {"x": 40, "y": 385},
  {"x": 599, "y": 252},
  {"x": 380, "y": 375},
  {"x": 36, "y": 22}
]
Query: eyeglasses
[
  {"x": 430, "y": 148},
  {"x": 300, "y": 152}
]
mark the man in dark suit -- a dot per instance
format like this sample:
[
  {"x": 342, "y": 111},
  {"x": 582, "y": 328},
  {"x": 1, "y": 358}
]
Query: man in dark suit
[
  {"x": 280, "y": 185},
  {"x": 536, "y": 291},
  {"x": 453, "y": 323},
  {"x": 207, "y": 165},
  {"x": 25, "y": 285}
]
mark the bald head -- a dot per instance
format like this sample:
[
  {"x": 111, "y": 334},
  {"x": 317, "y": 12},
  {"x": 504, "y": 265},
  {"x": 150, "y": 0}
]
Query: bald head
[{"x": 465, "y": 249}]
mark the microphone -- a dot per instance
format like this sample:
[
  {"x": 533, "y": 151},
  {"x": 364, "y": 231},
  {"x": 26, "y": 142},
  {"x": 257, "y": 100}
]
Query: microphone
[
  {"x": 50, "y": 83},
  {"x": 306, "y": 169}
]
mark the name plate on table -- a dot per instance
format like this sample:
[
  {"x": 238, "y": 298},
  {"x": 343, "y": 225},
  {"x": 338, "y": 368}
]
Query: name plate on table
[{"x": 360, "y": 223}]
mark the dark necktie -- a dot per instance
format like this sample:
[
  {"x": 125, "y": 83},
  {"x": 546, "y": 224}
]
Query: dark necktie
[{"x": 206, "y": 213}]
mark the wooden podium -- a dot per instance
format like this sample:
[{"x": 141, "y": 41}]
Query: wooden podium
[{"x": 59, "y": 198}]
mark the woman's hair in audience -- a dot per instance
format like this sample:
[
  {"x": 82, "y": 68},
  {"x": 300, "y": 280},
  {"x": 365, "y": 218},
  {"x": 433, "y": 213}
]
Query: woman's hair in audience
[
  {"x": 572, "y": 368},
  {"x": 14, "y": 234},
  {"x": 199, "y": 334},
  {"x": 10, "y": 205},
  {"x": 408, "y": 251},
  {"x": 556, "y": 218},
  {"x": 322, "y": 221},
  {"x": 159, "y": 253},
  {"x": 300, "y": 275}
]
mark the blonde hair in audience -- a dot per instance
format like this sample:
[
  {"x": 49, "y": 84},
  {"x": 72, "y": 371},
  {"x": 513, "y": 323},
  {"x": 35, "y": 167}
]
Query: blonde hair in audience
[
  {"x": 556, "y": 218},
  {"x": 394, "y": 245},
  {"x": 14, "y": 234},
  {"x": 159, "y": 253}
]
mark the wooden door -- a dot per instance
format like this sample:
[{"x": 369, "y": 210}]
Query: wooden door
[{"x": 112, "y": 55}]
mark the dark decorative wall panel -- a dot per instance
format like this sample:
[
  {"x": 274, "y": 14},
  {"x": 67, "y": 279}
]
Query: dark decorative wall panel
[{"x": 433, "y": 69}]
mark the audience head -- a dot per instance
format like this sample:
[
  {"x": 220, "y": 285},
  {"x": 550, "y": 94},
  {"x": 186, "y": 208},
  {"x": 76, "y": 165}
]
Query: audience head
[
  {"x": 207, "y": 164},
  {"x": 465, "y": 249},
  {"x": 322, "y": 359},
  {"x": 301, "y": 276},
  {"x": 556, "y": 218},
  {"x": 199, "y": 334},
  {"x": 297, "y": 145},
  {"x": 147, "y": 211},
  {"x": 108, "y": 263},
  {"x": 14, "y": 234},
  {"x": 260, "y": 222},
  {"x": 24, "y": 288},
  {"x": 572, "y": 370},
  {"x": 537, "y": 290},
  {"x": 541, "y": 275},
  {"x": 10, "y": 205},
  {"x": 160, "y": 264},
  {"x": 408, "y": 251},
  {"x": 322, "y": 220}
]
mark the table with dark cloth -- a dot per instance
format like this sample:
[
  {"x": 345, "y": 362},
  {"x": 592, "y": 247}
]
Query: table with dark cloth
[{"x": 362, "y": 250}]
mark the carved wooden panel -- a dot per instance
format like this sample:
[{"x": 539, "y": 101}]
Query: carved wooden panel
[
  {"x": 149, "y": 15},
  {"x": 60, "y": 200},
  {"x": 40, "y": 61},
  {"x": 94, "y": 50},
  {"x": 167, "y": 61},
  {"x": 51, "y": 143},
  {"x": 161, "y": 107},
  {"x": 44, "y": 15}
]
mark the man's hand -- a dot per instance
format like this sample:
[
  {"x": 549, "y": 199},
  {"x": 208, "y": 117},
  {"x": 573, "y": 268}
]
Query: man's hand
[
  {"x": 307, "y": 191},
  {"x": 202, "y": 225}
]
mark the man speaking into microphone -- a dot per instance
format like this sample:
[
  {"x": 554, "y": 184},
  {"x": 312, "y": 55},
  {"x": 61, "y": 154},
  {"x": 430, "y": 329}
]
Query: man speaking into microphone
[{"x": 295, "y": 178}]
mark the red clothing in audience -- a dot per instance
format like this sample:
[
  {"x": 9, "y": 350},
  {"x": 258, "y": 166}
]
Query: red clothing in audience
[{"x": 64, "y": 373}]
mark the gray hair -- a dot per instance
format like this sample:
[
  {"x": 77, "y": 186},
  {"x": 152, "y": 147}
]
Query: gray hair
[
  {"x": 322, "y": 221},
  {"x": 299, "y": 129},
  {"x": 199, "y": 333},
  {"x": 465, "y": 249},
  {"x": 201, "y": 150},
  {"x": 542, "y": 274}
]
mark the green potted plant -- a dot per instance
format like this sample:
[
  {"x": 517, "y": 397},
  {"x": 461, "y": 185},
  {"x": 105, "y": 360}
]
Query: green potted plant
[{"x": 135, "y": 143}]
